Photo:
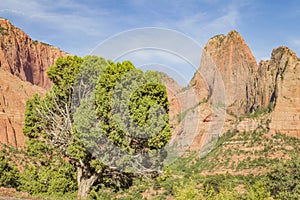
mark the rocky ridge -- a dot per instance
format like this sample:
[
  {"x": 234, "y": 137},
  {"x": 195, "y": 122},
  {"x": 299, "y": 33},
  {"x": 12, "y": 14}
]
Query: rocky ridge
[
  {"x": 26, "y": 58},
  {"x": 23, "y": 66},
  {"x": 229, "y": 80}
]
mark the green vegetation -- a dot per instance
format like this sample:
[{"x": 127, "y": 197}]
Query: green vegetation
[
  {"x": 35, "y": 42},
  {"x": 46, "y": 44},
  {"x": 184, "y": 179},
  {"x": 9, "y": 175},
  {"x": 261, "y": 111},
  {"x": 3, "y": 31},
  {"x": 55, "y": 178},
  {"x": 109, "y": 120},
  {"x": 283, "y": 180},
  {"x": 186, "y": 88},
  {"x": 191, "y": 177},
  {"x": 99, "y": 131},
  {"x": 182, "y": 115},
  {"x": 219, "y": 37}
]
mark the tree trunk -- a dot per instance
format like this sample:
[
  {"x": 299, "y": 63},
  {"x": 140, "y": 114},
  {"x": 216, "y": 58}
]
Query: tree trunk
[{"x": 85, "y": 184}]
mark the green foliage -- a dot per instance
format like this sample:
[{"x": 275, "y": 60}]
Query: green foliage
[
  {"x": 94, "y": 112},
  {"x": 261, "y": 111},
  {"x": 283, "y": 180},
  {"x": 226, "y": 194},
  {"x": 183, "y": 179},
  {"x": 3, "y": 31},
  {"x": 63, "y": 75},
  {"x": 9, "y": 174},
  {"x": 35, "y": 42},
  {"x": 188, "y": 190},
  {"x": 182, "y": 115},
  {"x": 186, "y": 88},
  {"x": 32, "y": 127},
  {"x": 132, "y": 109},
  {"x": 257, "y": 191},
  {"x": 56, "y": 178}
]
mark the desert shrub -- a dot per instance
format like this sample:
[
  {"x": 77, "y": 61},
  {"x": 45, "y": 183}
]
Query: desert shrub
[
  {"x": 188, "y": 190},
  {"x": 284, "y": 180},
  {"x": 56, "y": 179},
  {"x": 9, "y": 174}
]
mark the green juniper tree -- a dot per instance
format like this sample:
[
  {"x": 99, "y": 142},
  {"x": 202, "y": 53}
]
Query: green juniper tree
[{"x": 107, "y": 119}]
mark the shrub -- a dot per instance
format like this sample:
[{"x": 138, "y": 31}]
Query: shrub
[
  {"x": 9, "y": 175},
  {"x": 284, "y": 180},
  {"x": 52, "y": 179}
]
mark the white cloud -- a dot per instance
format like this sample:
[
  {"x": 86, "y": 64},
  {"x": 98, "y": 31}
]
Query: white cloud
[{"x": 74, "y": 17}]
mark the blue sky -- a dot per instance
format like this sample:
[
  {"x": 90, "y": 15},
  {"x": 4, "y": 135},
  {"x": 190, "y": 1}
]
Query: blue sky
[{"x": 78, "y": 27}]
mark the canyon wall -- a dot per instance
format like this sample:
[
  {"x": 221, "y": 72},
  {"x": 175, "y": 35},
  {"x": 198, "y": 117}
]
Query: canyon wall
[
  {"x": 23, "y": 66},
  {"x": 251, "y": 93},
  {"x": 25, "y": 58}
]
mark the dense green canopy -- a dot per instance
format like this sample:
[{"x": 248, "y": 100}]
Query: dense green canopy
[{"x": 104, "y": 117}]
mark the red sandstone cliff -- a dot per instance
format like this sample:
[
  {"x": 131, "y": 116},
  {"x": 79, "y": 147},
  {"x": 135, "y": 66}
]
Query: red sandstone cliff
[
  {"x": 22, "y": 62},
  {"x": 13, "y": 95},
  {"x": 281, "y": 89},
  {"x": 27, "y": 59},
  {"x": 230, "y": 80},
  {"x": 233, "y": 60}
]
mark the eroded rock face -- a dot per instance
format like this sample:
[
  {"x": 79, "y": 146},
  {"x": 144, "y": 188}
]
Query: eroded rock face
[
  {"x": 285, "y": 117},
  {"x": 27, "y": 59},
  {"x": 13, "y": 95},
  {"x": 271, "y": 89},
  {"x": 23, "y": 62},
  {"x": 275, "y": 88},
  {"x": 233, "y": 60},
  {"x": 220, "y": 84}
]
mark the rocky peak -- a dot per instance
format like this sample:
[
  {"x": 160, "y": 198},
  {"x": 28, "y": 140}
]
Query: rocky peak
[
  {"x": 233, "y": 59},
  {"x": 263, "y": 91},
  {"x": 25, "y": 58},
  {"x": 277, "y": 89},
  {"x": 271, "y": 89}
]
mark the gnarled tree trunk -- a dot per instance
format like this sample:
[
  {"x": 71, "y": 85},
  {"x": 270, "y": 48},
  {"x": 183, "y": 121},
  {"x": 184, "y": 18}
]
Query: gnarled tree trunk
[{"x": 85, "y": 183}]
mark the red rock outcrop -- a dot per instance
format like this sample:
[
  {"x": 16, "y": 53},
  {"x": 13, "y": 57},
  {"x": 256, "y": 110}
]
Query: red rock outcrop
[
  {"x": 284, "y": 91},
  {"x": 275, "y": 91},
  {"x": 271, "y": 89},
  {"x": 13, "y": 95},
  {"x": 23, "y": 62},
  {"x": 231, "y": 58},
  {"x": 27, "y": 59},
  {"x": 220, "y": 84}
]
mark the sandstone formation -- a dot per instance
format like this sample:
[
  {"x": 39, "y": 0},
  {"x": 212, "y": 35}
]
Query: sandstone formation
[
  {"x": 233, "y": 60},
  {"x": 13, "y": 95},
  {"x": 275, "y": 91},
  {"x": 27, "y": 59},
  {"x": 285, "y": 117},
  {"x": 23, "y": 62},
  {"x": 230, "y": 80}
]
